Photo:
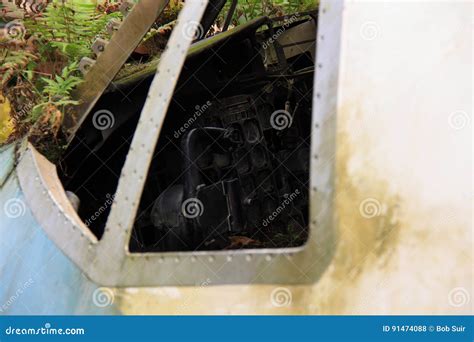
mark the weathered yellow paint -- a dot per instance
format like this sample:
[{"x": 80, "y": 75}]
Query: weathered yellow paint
[{"x": 6, "y": 125}]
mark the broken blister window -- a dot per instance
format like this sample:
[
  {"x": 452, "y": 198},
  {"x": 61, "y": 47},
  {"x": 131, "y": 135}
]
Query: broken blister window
[{"x": 231, "y": 167}]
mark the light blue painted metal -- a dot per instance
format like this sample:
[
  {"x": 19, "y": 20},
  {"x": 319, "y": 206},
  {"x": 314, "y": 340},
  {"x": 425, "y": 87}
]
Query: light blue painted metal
[
  {"x": 7, "y": 162},
  {"x": 35, "y": 276}
]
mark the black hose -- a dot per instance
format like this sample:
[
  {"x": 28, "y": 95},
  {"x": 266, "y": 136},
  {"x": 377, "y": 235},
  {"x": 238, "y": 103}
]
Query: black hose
[{"x": 189, "y": 145}]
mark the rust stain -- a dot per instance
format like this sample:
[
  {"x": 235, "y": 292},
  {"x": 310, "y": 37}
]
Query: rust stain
[{"x": 367, "y": 225}]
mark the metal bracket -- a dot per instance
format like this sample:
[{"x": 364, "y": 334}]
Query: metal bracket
[
  {"x": 85, "y": 64},
  {"x": 99, "y": 45},
  {"x": 125, "y": 7},
  {"x": 113, "y": 26}
]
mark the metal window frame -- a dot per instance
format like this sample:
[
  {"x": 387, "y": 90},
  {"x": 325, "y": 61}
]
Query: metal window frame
[{"x": 108, "y": 261}]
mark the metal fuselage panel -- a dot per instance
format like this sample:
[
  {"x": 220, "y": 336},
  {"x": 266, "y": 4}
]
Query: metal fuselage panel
[
  {"x": 403, "y": 197},
  {"x": 35, "y": 276}
]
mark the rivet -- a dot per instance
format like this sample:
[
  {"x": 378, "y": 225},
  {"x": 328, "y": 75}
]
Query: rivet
[
  {"x": 211, "y": 259},
  {"x": 268, "y": 258},
  {"x": 193, "y": 259},
  {"x": 176, "y": 260},
  {"x": 229, "y": 258},
  {"x": 248, "y": 257}
]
